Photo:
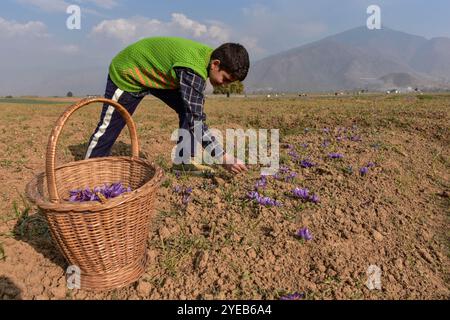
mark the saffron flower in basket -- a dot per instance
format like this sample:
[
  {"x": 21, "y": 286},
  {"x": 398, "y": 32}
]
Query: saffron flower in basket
[{"x": 98, "y": 193}]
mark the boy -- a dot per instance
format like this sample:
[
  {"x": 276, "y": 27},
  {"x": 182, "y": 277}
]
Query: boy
[{"x": 175, "y": 71}]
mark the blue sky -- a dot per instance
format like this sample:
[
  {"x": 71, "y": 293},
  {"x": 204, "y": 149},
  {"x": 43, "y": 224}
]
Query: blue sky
[{"x": 39, "y": 55}]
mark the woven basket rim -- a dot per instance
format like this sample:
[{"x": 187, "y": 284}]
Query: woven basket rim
[{"x": 32, "y": 190}]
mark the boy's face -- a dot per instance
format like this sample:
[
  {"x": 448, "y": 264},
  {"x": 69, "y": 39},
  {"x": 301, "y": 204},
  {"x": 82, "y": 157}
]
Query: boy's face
[{"x": 219, "y": 77}]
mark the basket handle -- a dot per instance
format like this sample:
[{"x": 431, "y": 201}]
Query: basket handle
[{"x": 53, "y": 139}]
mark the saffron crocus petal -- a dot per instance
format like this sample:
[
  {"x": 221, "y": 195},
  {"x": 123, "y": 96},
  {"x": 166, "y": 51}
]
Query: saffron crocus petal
[
  {"x": 253, "y": 195},
  {"x": 304, "y": 234},
  {"x": 306, "y": 164},
  {"x": 363, "y": 171},
  {"x": 335, "y": 156},
  {"x": 293, "y": 154},
  {"x": 185, "y": 199},
  {"x": 294, "y": 296},
  {"x": 109, "y": 191},
  {"x": 301, "y": 193},
  {"x": 314, "y": 198},
  {"x": 284, "y": 169}
]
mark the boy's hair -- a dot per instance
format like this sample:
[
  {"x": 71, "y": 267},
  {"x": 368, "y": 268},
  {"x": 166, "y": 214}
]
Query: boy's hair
[{"x": 233, "y": 59}]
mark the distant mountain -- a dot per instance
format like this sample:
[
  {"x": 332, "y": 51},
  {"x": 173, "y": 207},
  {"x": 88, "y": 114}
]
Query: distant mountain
[
  {"x": 357, "y": 58},
  {"x": 433, "y": 58}
]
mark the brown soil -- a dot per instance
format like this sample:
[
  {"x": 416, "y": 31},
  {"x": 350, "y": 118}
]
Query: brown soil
[{"x": 223, "y": 246}]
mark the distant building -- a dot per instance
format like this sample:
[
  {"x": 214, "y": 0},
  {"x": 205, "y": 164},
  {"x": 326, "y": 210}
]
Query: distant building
[{"x": 392, "y": 91}]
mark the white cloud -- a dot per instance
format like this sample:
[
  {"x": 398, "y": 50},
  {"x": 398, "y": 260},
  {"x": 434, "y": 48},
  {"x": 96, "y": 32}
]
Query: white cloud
[
  {"x": 128, "y": 30},
  {"x": 256, "y": 10},
  {"x": 105, "y": 4},
  {"x": 68, "y": 49},
  {"x": 61, "y": 5},
  {"x": 252, "y": 46},
  {"x": 47, "y": 5},
  {"x": 13, "y": 29},
  {"x": 198, "y": 29}
]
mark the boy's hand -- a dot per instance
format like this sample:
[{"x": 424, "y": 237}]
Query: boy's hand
[{"x": 233, "y": 164}]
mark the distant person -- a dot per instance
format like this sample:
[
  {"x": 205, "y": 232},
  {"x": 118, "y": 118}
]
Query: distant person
[{"x": 174, "y": 70}]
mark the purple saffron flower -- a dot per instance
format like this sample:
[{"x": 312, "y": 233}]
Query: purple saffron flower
[
  {"x": 304, "y": 145},
  {"x": 370, "y": 165},
  {"x": 261, "y": 183},
  {"x": 326, "y": 130},
  {"x": 293, "y": 154},
  {"x": 177, "y": 189},
  {"x": 355, "y": 138},
  {"x": 306, "y": 164},
  {"x": 335, "y": 156},
  {"x": 304, "y": 195},
  {"x": 304, "y": 234},
  {"x": 339, "y": 138},
  {"x": 314, "y": 199},
  {"x": 186, "y": 198},
  {"x": 284, "y": 169},
  {"x": 291, "y": 176},
  {"x": 325, "y": 143},
  {"x": 301, "y": 193},
  {"x": 186, "y": 195},
  {"x": 264, "y": 201},
  {"x": 108, "y": 191},
  {"x": 253, "y": 195},
  {"x": 363, "y": 171},
  {"x": 293, "y": 296}
]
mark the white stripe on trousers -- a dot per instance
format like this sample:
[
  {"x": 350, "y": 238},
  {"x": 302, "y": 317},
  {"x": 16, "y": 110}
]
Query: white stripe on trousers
[{"x": 106, "y": 121}]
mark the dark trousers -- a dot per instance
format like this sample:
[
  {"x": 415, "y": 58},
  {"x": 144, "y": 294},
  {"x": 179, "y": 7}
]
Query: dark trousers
[{"x": 111, "y": 122}]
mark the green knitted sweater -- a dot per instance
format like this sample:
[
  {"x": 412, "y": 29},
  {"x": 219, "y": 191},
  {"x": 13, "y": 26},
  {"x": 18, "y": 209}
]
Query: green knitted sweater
[{"x": 150, "y": 63}]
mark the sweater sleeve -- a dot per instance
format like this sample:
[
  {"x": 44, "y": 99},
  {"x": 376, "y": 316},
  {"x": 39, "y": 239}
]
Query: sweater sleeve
[{"x": 192, "y": 87}]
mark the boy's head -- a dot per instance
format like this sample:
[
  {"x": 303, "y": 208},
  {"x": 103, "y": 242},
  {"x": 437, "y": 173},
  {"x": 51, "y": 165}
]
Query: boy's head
[{"x": 229, "y": 62}]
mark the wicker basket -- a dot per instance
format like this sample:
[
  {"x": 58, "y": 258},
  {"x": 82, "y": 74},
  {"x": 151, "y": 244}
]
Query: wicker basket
[{"x": 106, "y": 241}]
